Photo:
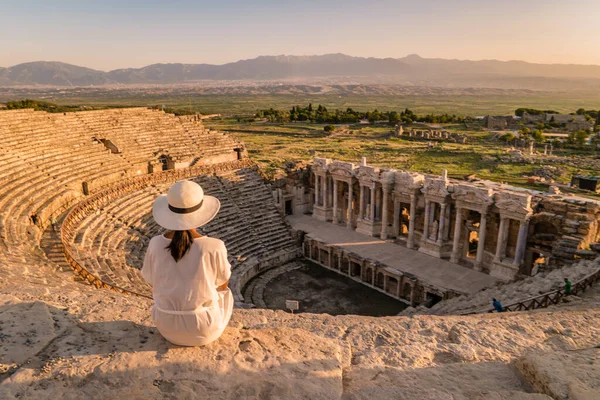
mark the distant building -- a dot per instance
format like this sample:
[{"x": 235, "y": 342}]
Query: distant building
[
  {"x": 591, "y": 183},
  {"x": 570, "y": 122},
  {"x": 500, "y": 122}
]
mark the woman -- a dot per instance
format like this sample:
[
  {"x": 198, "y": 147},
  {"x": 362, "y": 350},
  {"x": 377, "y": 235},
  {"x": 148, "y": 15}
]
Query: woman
[{"x": 188, "y": 272}]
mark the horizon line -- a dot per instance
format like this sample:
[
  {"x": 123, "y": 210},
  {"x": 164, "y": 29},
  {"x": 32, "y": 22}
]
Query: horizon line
[{"x": 307, "y": 55}]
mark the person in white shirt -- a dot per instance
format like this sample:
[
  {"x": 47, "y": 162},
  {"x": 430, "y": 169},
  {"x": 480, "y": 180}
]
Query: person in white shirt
[{"x": 189, "y": 273}]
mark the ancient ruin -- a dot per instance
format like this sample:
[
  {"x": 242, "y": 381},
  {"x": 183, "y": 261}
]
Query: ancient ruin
[
  {"x": 431, "y": 134},
  {"x": 75, "y": 219},
  {"x": 495, "y": 229}
]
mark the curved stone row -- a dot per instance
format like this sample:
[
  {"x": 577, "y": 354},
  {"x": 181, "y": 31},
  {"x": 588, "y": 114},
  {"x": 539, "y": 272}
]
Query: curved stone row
[
  {"x": 254, "y": 291},
  {"x": 106, "y": 234},
  {"x": 50, "y": 161}
]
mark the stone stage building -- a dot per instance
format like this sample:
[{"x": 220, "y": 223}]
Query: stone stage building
[{"x": 492, "y": 228}]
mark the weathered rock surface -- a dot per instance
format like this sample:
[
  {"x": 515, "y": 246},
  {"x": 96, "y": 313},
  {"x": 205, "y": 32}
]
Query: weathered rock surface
[
  {"x": 61, "y": 339},
  {"x": 564, "y": 375},
  {"x": 94, "y": 343}
]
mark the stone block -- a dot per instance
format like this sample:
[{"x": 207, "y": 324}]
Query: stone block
[{"x": 573, "y": 375}]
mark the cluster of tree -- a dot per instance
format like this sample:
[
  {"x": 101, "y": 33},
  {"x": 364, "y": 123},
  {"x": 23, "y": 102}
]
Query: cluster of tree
[
  {"x": 536, "y": 135},
  {"x": 532, "y": 111},
  {"x": 42, "y": 106},
  {"x": 176, "y": 111},
  {"x": 590, "y": 115},
  {"x": 578, "y": 138},
  {"x": 321, "y": 115}
]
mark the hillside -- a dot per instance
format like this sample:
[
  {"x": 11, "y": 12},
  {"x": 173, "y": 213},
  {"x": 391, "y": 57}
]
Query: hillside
[{"x": 410, "y": 70}]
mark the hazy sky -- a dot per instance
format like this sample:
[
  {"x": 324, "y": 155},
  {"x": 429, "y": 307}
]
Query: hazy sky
[{"x": 110, "y": 34}]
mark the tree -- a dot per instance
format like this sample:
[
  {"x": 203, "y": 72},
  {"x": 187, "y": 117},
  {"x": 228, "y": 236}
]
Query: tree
[
  {"x": 538, "y": 136},
  {"x": 579, "y": 137},
  {"x": 525, "y": 131},
  {"x": 394, "y": 117},
  {"x": 329, "y": 128},
  {"x": 507, "y": 137}
]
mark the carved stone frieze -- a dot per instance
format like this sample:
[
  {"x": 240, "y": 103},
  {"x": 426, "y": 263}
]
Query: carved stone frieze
[
  {"x": 473, "y": 197},
  {"x": 514, "y": 205},
  {"x": 436, "y": 189}
]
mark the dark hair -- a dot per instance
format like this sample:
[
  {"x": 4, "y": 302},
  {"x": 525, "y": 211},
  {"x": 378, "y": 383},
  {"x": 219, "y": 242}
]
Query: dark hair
[{"x": 180, "y": 244}]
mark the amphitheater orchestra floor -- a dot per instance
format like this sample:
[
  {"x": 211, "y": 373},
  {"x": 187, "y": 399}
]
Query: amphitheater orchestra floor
[{"x": 429, "y": 269}]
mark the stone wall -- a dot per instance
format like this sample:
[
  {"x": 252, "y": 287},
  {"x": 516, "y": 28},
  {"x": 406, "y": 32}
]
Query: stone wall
[
  {"x": 400, "y": 285},
  {"x": 431, "y": 134},
  {"x": 501, "y": 230}
]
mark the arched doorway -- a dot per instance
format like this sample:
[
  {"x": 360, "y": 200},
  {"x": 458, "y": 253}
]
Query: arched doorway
[
  {"x": 369, "y": 276},
  {"x": 543, "y": 232},
  {"x": 379, "y": 280},
  {"x": 355, "y": 269},
  {"x": 392, "y": 285}
]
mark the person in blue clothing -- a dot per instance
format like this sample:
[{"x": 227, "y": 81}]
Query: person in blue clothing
[{"x": 497, "y": 305}]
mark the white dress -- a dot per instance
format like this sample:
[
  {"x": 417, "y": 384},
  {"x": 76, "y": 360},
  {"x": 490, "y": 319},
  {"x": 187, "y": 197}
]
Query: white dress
[{"x": 188, "y": 309}]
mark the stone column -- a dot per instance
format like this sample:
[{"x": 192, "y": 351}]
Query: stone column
[
  {"x": 481, "y": 243},
  {"x": 432, "y": 208},
  {"x": 330, "y": 191},
  {"x": 349, "y": 211},
  {"x": 316, "y": 189},
  {"x": 500, "y": 245},
  {"x": 447, "y": 227},
  {"x": 384, "y": 215},
  {"x": 455, "y": 257},
  {"x": 442, "y": 224},
  {"x": 324, "y": 185},
  {"x": 361, "y": 207},
  {"x": 335, "y": 202},
  {"x": 521, "y": 243},
  {"x": 396, "y": 223},
  {"x": 426, "y": 227},
  {"x": 372, "y": 206},
  {"x": 413, "y": 294},
  {"x": 410, "y": 243}
]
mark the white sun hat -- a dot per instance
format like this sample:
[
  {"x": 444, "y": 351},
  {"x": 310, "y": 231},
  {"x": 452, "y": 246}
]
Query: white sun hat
[{"x": 185, "y": 207}]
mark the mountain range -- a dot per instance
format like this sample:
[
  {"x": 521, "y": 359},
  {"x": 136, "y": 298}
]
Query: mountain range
[{"x": 409, "y": 70}]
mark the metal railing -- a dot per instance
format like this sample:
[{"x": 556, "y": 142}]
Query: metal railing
[{"x": 554, "y": 297}]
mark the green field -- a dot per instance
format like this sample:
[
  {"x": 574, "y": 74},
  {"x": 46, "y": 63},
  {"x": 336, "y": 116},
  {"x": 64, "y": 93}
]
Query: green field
[
  {"x": 274, "y": 145},
  {"x": 463, "y": 102}
]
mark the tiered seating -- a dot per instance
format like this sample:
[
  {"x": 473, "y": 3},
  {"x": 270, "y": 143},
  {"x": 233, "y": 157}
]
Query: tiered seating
[
  {"x": 254, "y": 199},
  {"x": 143, "y": 134},
  {"x": 45, "y": 159},
  {"x": 248, "y": 223}
]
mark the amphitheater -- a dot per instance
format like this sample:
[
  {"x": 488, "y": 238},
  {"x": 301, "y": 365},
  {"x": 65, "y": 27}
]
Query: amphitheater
[{"x": 75, "y": 322}]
